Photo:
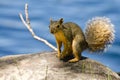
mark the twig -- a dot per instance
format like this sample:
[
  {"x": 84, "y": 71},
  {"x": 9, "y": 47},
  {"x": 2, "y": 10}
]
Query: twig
[{"x": 27, "y": 24}]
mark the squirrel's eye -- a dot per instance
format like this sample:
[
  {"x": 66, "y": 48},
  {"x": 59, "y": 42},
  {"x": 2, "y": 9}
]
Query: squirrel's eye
[
  {"x": 49, "y": 26},
  {"x": 57, "y": 26}
]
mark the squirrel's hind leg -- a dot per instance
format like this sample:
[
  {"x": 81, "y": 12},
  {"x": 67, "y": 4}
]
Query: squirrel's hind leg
[{"x": 76, "y": 51}]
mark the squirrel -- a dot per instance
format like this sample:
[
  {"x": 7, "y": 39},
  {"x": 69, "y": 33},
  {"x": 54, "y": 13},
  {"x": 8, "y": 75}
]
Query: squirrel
[{"x": 99, "y": 34}]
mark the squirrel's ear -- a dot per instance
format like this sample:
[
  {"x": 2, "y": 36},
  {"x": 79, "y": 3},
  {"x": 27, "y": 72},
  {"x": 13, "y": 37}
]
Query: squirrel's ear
[
  {"x": 51, "y": 20},
  {"x": 61, "y": 21}
]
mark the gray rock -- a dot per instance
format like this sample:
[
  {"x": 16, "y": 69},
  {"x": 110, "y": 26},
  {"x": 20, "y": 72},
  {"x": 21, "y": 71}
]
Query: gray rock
[{"x": 45, "y": 66}]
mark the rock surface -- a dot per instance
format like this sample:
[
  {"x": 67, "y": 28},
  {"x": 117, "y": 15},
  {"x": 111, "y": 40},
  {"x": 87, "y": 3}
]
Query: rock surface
[{"x": 45, "y": 66}]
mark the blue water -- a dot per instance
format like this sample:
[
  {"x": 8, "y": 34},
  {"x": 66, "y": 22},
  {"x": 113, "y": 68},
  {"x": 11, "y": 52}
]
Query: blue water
[{"x": 16, "y": 39}]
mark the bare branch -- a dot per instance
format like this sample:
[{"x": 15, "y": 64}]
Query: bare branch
[
  {"x": 26, "y": 13},
  {"x": 27, "y": 24}
]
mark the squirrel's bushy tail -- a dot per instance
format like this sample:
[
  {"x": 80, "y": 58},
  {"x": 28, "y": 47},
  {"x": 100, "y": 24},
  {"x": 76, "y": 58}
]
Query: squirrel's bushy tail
[{"x": 99, "y": 34}]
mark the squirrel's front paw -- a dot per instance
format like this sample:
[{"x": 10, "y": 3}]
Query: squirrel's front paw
[
  {"x": 58, "y": 55},
  {"x": 62, "y": 56}
]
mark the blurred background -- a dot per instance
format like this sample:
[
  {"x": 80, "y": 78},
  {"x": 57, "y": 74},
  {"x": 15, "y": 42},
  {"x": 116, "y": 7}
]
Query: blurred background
[{"x": 16, "y": 39}]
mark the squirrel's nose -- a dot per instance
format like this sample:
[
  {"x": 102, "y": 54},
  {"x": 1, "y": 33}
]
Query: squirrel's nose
[{"x": 52, "y": 31}]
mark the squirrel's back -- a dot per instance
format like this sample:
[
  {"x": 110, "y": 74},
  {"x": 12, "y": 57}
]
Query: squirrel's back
[{"x": 74, "y": 28}]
